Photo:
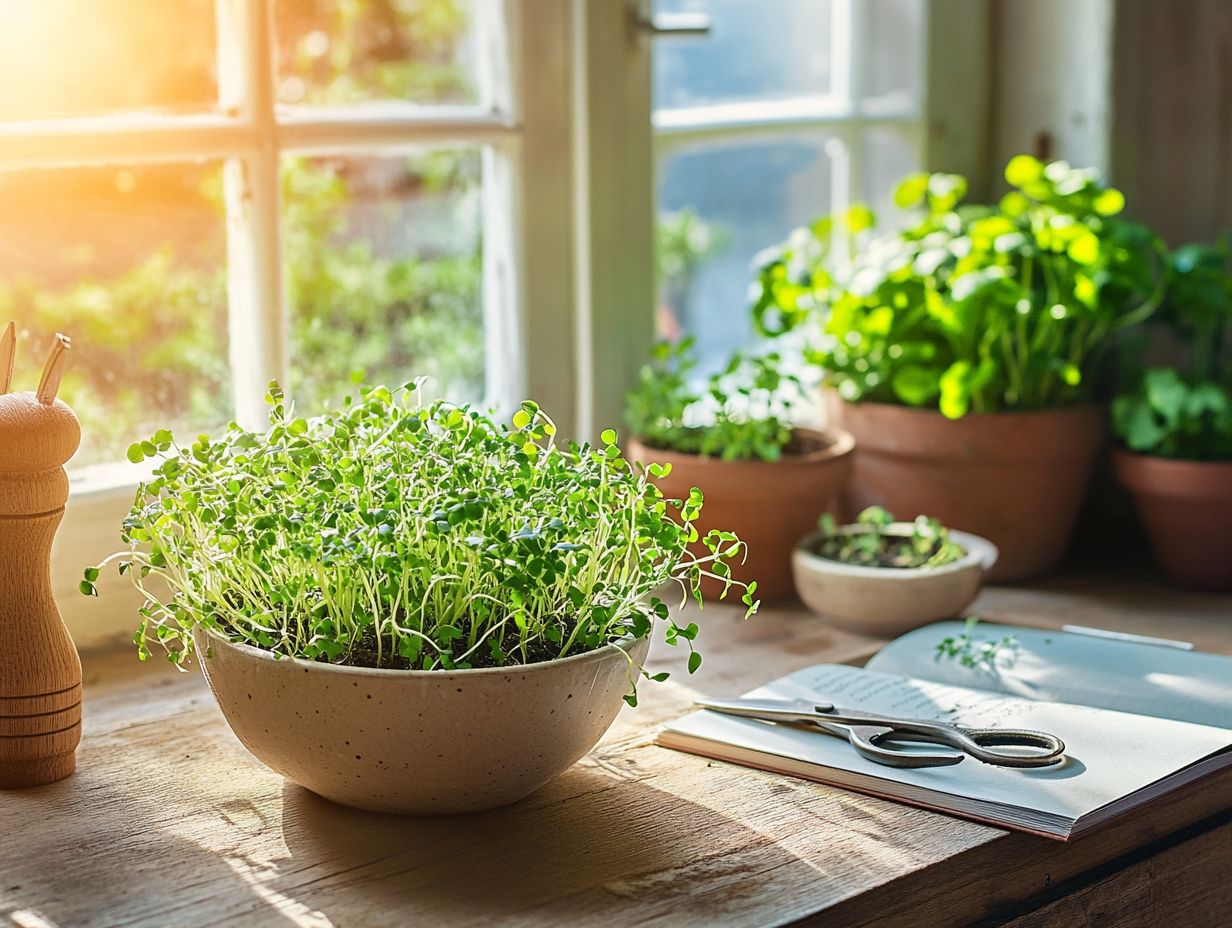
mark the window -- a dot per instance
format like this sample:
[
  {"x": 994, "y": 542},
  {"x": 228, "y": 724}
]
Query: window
[
  {"x": 212, "y": 196},
  {"x": 221, "y": 192},
  {"x": 787, "y": 110}
]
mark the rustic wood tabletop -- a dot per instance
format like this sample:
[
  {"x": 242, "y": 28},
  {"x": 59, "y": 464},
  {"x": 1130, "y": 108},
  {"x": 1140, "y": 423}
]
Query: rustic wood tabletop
[{"x": 169, "y": 821}]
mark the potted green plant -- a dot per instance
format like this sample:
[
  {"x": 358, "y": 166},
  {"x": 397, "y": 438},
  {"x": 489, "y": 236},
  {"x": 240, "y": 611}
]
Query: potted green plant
[
  {"x": 880, "y": 577},
  {"x": 763, "y": 478},
  {"x": 406, "y": 606},
  {"x": 1175, "y": 428},
  {"x": 963, "y": 350}
]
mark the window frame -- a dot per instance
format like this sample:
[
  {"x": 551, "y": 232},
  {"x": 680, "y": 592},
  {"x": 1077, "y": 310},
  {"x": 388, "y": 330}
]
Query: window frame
[
  {"x": 568, "y": 213},
  {"x": 842, "y": 113},
  {"x": 523, "y": 124}
]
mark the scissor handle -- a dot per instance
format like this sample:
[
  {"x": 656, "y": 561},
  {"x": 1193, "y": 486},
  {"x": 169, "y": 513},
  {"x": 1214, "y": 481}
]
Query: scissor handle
[
  {"x": 979, "y": 743},
  {"x": 867, "y": 742},
  {"x": 982, "y": 744}
]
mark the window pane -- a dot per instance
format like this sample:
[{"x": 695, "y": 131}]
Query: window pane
[
  {"x": 85, "y": 57},
  {"x": 895, "y": 36},
  {"x": 384, "y": 269},
  {"x": 889, "y": 155},
  {"x": 130, "y": 263},
  {"x": 756, "y": 51},
  {"x": 719, "y": 205},
  {"x": 347, "y": 51}
]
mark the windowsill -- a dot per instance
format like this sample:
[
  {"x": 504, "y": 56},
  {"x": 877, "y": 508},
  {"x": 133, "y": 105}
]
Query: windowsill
[
  {"x": 99, "y": 498},
  {"x": 107, "y": 478}
]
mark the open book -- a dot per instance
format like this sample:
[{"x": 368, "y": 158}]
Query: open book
[{"x": 1138, "y": 721}]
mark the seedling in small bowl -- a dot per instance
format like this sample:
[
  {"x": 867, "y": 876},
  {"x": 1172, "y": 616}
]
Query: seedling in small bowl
[{"x": 873, "y": 541}]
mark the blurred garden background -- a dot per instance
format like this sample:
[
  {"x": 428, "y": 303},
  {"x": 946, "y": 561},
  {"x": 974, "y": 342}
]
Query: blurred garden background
[{"x": 383, "y": 255}]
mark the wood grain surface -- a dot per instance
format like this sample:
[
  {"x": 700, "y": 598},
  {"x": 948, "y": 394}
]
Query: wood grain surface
[{"x": 169, "y": 822}]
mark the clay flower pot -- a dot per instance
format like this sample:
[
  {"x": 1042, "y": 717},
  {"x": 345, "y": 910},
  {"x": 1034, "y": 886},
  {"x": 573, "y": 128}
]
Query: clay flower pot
[
  {"x": 770, "y": 505},
  {"x": 1016, "y": 478},
  {"x": 885, "y": 602},
  {"x": 1186, "y": 507},
  {"x": 412, "y": 741}
]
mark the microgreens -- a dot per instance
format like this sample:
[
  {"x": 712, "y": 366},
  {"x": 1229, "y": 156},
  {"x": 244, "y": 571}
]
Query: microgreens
[
  {"x": 871, "y": 542},
  {"x": 397, "y": 534},
  {"x": 741, "y": 414}
]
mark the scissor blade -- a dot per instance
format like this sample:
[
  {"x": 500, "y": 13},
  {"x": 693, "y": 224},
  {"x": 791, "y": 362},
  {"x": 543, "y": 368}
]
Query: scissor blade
[{"x": 767, "y": 709}]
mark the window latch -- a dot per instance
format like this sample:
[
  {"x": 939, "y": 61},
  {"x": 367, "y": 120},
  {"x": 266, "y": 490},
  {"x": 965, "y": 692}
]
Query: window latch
[{"x": 675, "y": 25}]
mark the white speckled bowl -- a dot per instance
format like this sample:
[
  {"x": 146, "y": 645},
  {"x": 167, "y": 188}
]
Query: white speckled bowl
[
  {"x": 418, "y": 741},
  {"x": 888, "y": 601}
]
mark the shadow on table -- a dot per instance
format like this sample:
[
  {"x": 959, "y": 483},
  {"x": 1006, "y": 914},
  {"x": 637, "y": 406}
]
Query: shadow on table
[
  {"x": 584, "y": 844},
  {"x": 67, "y": 859}
]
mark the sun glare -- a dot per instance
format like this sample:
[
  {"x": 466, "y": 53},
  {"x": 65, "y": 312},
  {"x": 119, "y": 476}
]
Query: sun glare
[{"x": 76, "y": 57}]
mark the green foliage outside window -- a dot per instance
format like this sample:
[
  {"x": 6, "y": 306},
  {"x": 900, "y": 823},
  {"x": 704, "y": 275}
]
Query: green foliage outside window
[{"x": 151, "y": 336}]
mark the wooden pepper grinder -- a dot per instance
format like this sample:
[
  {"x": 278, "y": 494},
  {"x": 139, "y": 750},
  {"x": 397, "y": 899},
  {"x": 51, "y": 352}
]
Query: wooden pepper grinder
[{"x": 40, "y": 673}]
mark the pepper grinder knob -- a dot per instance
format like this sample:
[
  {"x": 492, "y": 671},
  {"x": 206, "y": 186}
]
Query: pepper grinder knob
[{"x": 40, "y": 672}]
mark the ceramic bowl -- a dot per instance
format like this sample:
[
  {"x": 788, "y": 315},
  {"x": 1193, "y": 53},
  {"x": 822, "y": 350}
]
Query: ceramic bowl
[
  {"x": 411, "y": 741},
  {"x": 887, "y": 601}
]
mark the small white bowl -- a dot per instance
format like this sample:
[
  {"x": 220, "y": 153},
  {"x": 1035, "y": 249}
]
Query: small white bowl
[{"x": 887, "y": 601}]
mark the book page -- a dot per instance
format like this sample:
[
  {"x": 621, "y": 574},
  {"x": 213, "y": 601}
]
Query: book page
[
  {"x": 1054, "y": 666},
  {"x": 1109, "y": 754}
]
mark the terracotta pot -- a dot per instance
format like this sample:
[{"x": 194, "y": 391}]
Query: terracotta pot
[
  {"x": 413, "y": 741},
  {"x": 1016, "y": 478},
  {"x": 770, "y": 505},
  {"x": 1186, "y": 507},
  {"x": 887, "y": 601}
]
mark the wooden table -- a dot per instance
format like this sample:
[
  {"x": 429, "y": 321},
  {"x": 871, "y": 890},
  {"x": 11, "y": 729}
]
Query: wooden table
[{"x": 170, "y": 822}]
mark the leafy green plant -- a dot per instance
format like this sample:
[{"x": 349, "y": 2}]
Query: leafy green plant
[
  {"x": 871, "y": 542},
  {"x": 972, "y": 651},
  {"x": 740, "y": 414},
  {"x": 1187, "y": 413},
  {"x": 394, "y": 533},
  {"x": 1168, "y": 417},
  {"x": 970, "y": 308}
]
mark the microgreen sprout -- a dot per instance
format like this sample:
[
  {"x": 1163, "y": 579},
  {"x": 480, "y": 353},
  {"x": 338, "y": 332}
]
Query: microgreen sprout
[
  {"x": 872, "y": 542},
  {"x": 972, "y": 652},
  {"x": 394, "y": 533}
]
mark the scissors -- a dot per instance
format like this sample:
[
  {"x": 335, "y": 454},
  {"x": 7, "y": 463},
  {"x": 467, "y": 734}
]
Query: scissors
[{"x": 869, "y": 733}]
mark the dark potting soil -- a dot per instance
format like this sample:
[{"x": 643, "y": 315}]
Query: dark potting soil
[
  {"x": 364, "y": 654},
  {"x": 894, "y": 552},
  {"x": 803, "y": 442}
]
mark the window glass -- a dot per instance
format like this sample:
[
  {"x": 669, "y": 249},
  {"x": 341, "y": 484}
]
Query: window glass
[
  {"x": 77, "y": 57},
  {"x": 383, "y": 262},
  {"x": 890, "y": 153},
  {"x": 350, "y": 51},
  {"x": 130, "y": 263},
  {"x": 720, "y": 204},
  {"x": 770, "y": 49},
  {"x": 894, "y": 52}
]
